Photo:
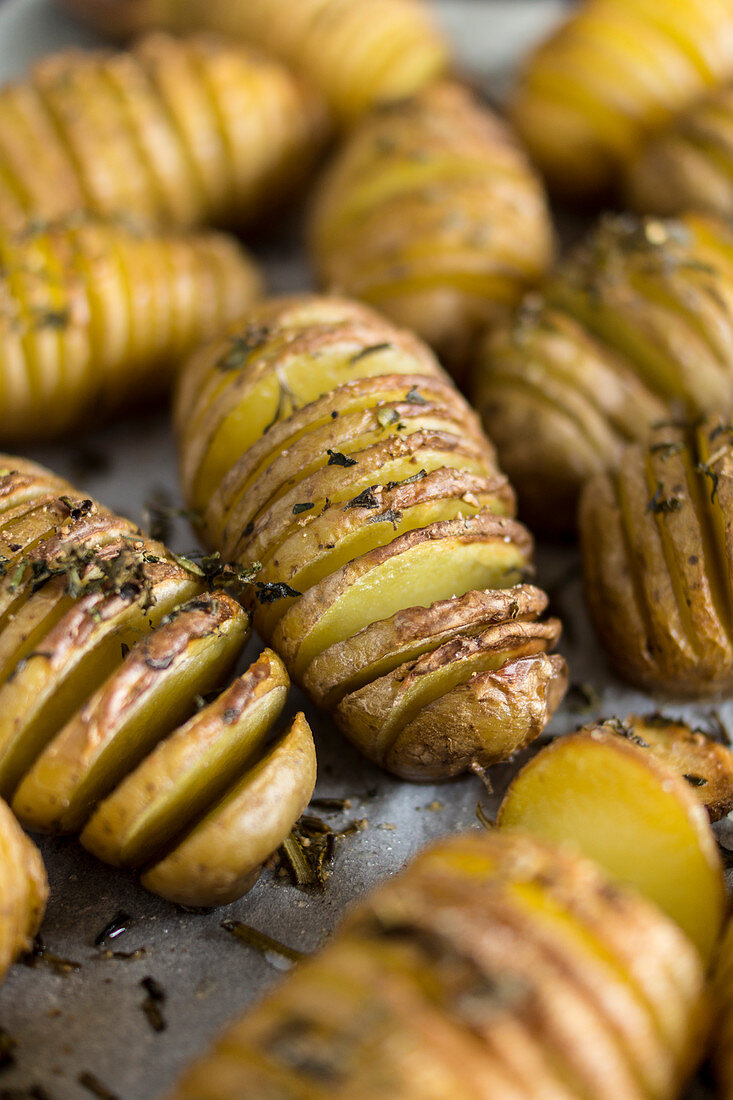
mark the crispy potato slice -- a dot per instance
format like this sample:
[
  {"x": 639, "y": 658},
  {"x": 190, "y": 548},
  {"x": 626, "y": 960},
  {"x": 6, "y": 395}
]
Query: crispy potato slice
[
  {"x": 222, "y": 856},
  {"x": 189, "y": 770},
  {"x": 77, "y": 655},
  {"x": 152, "y": 690},
  {"x": 23, "y": 889},
  {"x": 379, "y": 648},
  {"x": 484, "y": 552},
  {"x": 622, "y": 807}
]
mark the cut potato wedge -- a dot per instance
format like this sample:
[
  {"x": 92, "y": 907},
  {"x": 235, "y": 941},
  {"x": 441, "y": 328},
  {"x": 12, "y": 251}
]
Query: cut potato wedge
[
  {"x": 619, "y": 805},
  {"x": 23, "y": 889},
  {"x": 222, "y": 856}
]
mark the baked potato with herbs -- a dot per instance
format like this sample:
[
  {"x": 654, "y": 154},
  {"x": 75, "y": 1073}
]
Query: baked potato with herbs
[
  {"x": 95, "y": 316},
  {"x": 620, "y": 793},
  {"x": 635, "y": 327},
  {"x": 355, "y": 54},
  {"x": 109, "y": 648},
  {"x": 329, "y": 447},
  {"x": 494, "y": 968},
  {"x": 689, "y": 164},
  {"x": 432, "y": 214},
  {"x": 181, "y": 132},
  {"x": 611, "y": 75},
  {"x": 656, "y": 539},
  {"x": 23, "y": 889}
]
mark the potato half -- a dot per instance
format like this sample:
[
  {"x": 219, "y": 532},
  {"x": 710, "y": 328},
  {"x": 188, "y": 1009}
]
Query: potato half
[
  {"x": 633, "y": 328},
  {"x": 432, "y": 214},
  {"x": 627, "y": 807},
  {"x": 95, "y": 316},
  {"x": 23, "y": 889},
  {"x": 109, "y": 649},
  {"x": 181, "y": 132},
  {"x": 723, "y": 1003},
  {"x": 611, "y": 75},
  {"x": 494, "y": 968},
  {"x": 656, "y": 542},
  {"x": 327, "y": 448},
  {"x": 355, "y": 54}
]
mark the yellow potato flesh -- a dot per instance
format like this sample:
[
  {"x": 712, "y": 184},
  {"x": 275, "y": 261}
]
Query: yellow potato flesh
[
  {"x": 36, "y": 702},
  {"x": 623, "y": 813},
  {"x": 415, "y": 578},
  {"x": 178, "y": 782},
  {"x": 93, "y": 752}
]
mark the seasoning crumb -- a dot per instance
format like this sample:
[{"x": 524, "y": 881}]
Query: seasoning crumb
[{"x": 92, "y": 1084}]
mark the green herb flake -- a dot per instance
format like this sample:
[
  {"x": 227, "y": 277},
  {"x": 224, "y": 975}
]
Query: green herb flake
[
  {"x": 696, "y": 780},
  {"x": 372, "y": 349},
  {"x": 392, "y": 515},
  {"x": 666, "y": 449},
  {"x": 483, "y": 817},
  {"x": 366, "y": 499},
  {"x": 661, "y": 505},
  {"x": 415, "y": 398},
  {"x": 254, "y": 337},
  {"x": 335, "y": 458},
  {"x": 306, "y": 506},
  {"x": 261, "y": 942},
  {"x": 708, "y": 471},
  {"x": 275, "y": 590},
  {"x": 386, "y": 417}
]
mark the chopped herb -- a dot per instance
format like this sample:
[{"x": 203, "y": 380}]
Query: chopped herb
[
  {"x": 696, "y": 780},
  {"x": 406, "y": 481},
  {"x": 366, "y": 499},
  {"x": 387, "y": 417},
  {"x": 304, "y": 507},
  {"x": 373, "y": 349},
  {"x": 338, "y": 805},
  {"x": 721, "y": 429},
  {"x": 622, "y": 730},
  {"x": 156, "y": 996},
  {"x": 8, "y": 1047},
  {"x": 416, "y": 398},
  {"x": 78, "y": 508},
  {"x": 666, "y": 450},
  {"x": 249, "y": 528},
  {"x": 124, "y": 649},
  {"x": 334, "y": 414},
  {"x": 261, "y": 942},
  {"x": 273, "y": 591},
  {"x": 335, "y": 458},
  {"x": 717, "y": 729},
  {"x": 392, "y": 515},
  {"x": 484, "y": 818},
  {"x": 119, "y": 924},
  {"x": 92, "y": 1084},
  {"x": 660, "y": 505},
  {"x": 301, "y": 871},
  {"x": 39, "y": 955},
  {"x": 52, "y": 318},
  {"x": 708, "y": 471},
  {"x": 159, "y": 515},
  {"x": 253, "y": 338}
]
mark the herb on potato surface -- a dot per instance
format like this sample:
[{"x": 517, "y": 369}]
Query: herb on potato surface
[
  {"x": 269, "y": 593},
  {"x": 416, "y": 398},
  {"x": 372, "y": 349},
  {"x": 335, "y": 458},
  {"x": 304, "y": 507},
  {"x": 660, "y": 505}
]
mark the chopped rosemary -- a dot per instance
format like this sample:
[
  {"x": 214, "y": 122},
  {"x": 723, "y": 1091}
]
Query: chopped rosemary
[
  {"x": 92, "y": 1084},
  {"x": 335, "y": 458},
  {"x": 416, "y": 398},
  {"x": 119, "y": 924},
  {"x": 666, "y": 450},
  {"x": 622, "y": 730},
  {"x": 708, "y": 471},
  {"x": 660, "y": 505},
  {"x": 304, "y": 507},
  {"x": 337, "y": 805},
  {"x": 483, "y": 817},
  {"x": 372, "y": 349},
  {"x": 391, "y": 515},
  {"x": 269, "y": 593},
  {"x": 696, "y": 780},
  {"x": 261, "y": 942},
  {"x": 39, "y": 955},
  {"x": 366, "y": 499},
  {"x": 406, "y": 480},
  {"x": 236, "y": 356}
]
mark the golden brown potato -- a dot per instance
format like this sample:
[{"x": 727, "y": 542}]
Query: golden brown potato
[
  {"x": 689, "y": 164},
  {"x": 182, "y": 132},
  {"x": 494, "y": 968},
  {"x": 634, "y": 328},
  {"x": 107, "y": 644},
  {"x": 656, "y": 539},
  {"x": 95, "y": 316},
  {"x": 328, "y": 447},
  {"x": 605, "y": 793},
  {"x": 355, "y": 54},
  {"x": 23, "y": 889},
  {"x": 723, "y": 1004},
  {"x": 432, "y": 214},
  {"x": 612, "y": 74}
]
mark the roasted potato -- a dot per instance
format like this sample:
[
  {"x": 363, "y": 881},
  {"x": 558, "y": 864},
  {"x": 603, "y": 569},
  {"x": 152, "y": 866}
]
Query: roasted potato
[
  {"x": 634, "y": 328},
  {"x": 356, "y": 54},
  {"x": 656, "y": 542},
  {"x": 627, "y": 805},
  {"x": 179, "y": 132},
  {"x": 431, "y": 213},
  {"x": 23, "y": 889},
  {"x": 689, "y": 164},
  {"x": 612, "y": 75},
  {"x": 494, "y": 968},
  {"x": 107, "y": 644},
  {"x": 328, "y": 447},
  {"x": 723, "y": 1003},
  {"x": 94, "y": 316}
]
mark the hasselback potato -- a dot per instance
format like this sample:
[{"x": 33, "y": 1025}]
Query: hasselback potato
[
  {"x": 493, "y": 968},
  {"x": 328, "y": 446},
  {"x": 656, "y": 539},
  {"x": 689, "y": 164},
  {"x": 184, "y": 132},
  {"x": 723, "y": 1052},
  {"x": 356, "y": 54},
  {"x": 633, "y": 328},
  {"x": 432, "y": 214},
  {"x": 611, "y": 75},
  {"x": 23, "y": 889},
  {"x": 96, "y": 315},
  {"x": 109, "y": 645}
]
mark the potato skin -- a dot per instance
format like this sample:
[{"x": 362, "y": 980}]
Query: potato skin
[
  {"x": 432, "y": 214},
  {"x": 633, "y": 328},
  {"x": 609, "y": 76},
  {"x": 109, "y": 643},
  {"x": 454, "y": 980},
  {"x": 23, "y": 889},
  {"x": 94, "y": 316},
  {"x": 656, "y": 545},
  {"x": 356, "y": 56},
  {"x": 314, "y": 440}
]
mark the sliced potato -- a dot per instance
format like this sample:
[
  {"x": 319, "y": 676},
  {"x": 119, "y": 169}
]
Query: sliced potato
[
  {"x": 622, "y": 807},
  {"x": 223, "y": 854},
  {"x": 23, "y": 889}
]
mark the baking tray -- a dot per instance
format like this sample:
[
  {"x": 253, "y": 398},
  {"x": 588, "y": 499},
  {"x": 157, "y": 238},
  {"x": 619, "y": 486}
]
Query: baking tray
[{"x": 69, "y": 1022}]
